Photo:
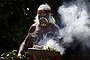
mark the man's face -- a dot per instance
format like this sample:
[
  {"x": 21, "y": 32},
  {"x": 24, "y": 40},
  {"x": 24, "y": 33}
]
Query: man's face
[{"x": 43, "y": 13}]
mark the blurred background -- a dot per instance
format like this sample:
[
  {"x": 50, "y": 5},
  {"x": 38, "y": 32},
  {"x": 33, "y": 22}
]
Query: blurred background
[{"x": 16, "y": 16}]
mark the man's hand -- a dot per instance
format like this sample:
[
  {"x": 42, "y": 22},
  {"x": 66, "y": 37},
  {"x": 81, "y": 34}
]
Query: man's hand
[{"x": 19, "y": 54}]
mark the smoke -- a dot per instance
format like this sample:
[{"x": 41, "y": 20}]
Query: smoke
[
  {"x": 75, "y": 16},
  {"x": 54, "y": 45}
]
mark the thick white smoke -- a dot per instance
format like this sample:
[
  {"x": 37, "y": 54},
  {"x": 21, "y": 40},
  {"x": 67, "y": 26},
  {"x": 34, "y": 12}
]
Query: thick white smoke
[{"x": 75, "y": 17}]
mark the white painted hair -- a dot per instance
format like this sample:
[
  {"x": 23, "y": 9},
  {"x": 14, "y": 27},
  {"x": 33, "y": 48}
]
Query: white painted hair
[{"x": 44, "y": 7}]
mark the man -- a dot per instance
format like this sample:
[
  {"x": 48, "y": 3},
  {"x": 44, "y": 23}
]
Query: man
[{"x": 44, "y": 26}]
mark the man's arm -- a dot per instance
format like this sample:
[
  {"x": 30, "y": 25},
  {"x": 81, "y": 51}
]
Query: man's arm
[{"x": 28, "y": 42}]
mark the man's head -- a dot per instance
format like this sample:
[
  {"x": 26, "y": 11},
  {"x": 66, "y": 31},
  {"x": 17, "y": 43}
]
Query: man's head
[{"x": 44, "y": 10}]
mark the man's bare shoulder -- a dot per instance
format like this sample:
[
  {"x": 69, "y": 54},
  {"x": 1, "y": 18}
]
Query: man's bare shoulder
[{"x": 32, "y": 28}]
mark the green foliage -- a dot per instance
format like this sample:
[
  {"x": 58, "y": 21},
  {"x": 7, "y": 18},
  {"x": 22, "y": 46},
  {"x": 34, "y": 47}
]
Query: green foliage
[{"x": 13, "y": 56}]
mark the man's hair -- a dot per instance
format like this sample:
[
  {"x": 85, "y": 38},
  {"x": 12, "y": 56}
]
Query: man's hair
[{"x": 45, "y": 7}]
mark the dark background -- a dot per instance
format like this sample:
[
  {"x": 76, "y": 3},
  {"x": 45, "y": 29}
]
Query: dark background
[{"x": 15, "y": 20}]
